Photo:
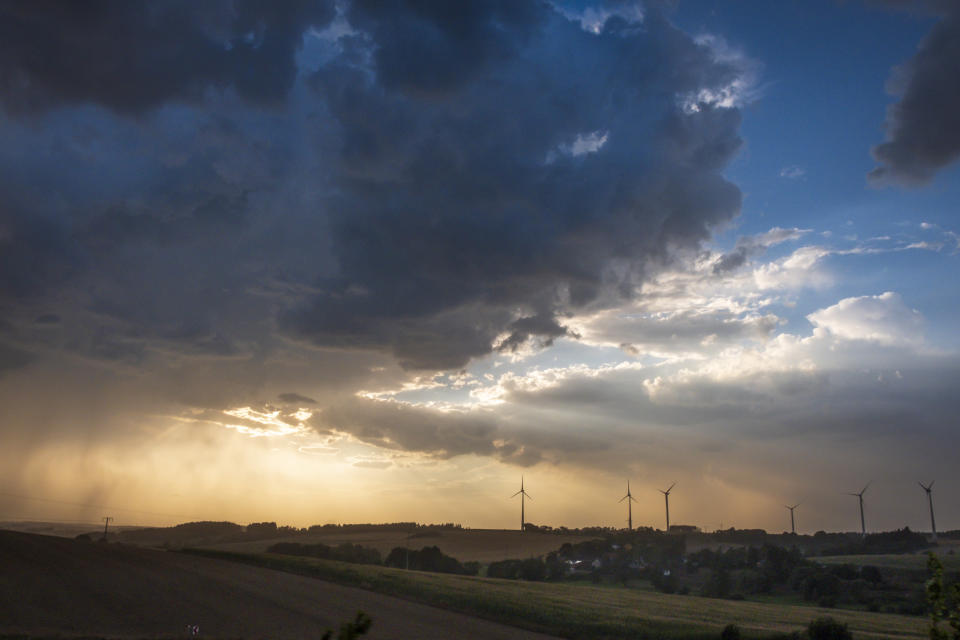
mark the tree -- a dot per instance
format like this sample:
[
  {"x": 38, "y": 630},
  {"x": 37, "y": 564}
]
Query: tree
[
  {"x": 533, "y": 569},
  {"x": 939, "y": 605},
  {"x": 827, "y": 628}
]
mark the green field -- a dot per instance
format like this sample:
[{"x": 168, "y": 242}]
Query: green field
[
  {"x": 918, "y": 561},
  {"x": 584, "y": 611},
  {"x": 480, "y": 545}
]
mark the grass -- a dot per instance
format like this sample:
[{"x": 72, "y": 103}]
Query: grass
[
  {"x": 581, "y": 611},
  {"x": 917, "y": 561},
  {"x": 480, "y": 545}
]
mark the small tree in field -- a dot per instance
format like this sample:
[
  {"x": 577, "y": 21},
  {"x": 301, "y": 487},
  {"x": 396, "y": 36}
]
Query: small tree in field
[
  {"x": 730, "y": 632},
  {"x": 940, "y": 606},
  {"x": 351, "y": 630},
  {"x": 827, "y": 628}
]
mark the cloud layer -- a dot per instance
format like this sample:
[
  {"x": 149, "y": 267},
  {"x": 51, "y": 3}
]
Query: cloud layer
[
  {"x": 133, "y": 58},
  {"x": 475, "y": 208},
  {"x": 923, "y": 128},
  {"x": 260, "y": 245}
]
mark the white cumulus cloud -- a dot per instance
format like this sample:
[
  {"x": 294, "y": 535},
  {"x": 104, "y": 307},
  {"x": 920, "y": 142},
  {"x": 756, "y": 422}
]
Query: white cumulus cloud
[{"x": 885, "y": 319}]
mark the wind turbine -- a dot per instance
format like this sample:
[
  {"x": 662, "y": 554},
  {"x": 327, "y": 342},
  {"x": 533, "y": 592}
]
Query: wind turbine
[
  {"x": 793, "y": 528},
  {"x": 929, "y": 489},
  {"x": 629, "y": 498},
  {"x": 523, "y": 494},
  {"x": 666, "y": 498},
  {"x": 863, "y": 526}
]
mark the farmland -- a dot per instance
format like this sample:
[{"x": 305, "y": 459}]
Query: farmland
[
  {"x": 72, "y": 587},
  {"x": 908, "y": 561},
  {"x": 479, "y": 545},
  {"x": 580, "y": 611},
  {"x": 56, "y": 587}
]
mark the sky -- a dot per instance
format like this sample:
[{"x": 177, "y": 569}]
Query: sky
[{"x": 356, "y": 261}]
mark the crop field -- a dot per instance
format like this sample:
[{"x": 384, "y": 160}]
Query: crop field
[
  {"x": 576, "y": 611},
  {"x": 60, "y": 588},
  {"x": 918, "y": 561},
  {"x": 480, "y": 545}
]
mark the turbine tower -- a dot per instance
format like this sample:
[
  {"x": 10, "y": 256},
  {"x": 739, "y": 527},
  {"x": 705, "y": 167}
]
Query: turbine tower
[
  {"x": 793, "y": 528},
  {"x": 523, "y": 494},
  {"x": 629, "y": 498},
  {"x": 863, "y": 526},
  {"x": 666, "y": 499},
  {"x": 929, "y": 489}
]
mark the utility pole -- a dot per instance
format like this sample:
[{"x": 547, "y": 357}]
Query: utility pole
[{"x": 106, "y": 523}]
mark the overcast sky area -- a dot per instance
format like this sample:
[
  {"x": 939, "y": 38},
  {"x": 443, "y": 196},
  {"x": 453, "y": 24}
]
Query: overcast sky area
[{"x": 368, "y": 261}]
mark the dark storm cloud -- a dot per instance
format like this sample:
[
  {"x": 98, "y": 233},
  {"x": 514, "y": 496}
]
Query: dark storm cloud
[
  {"x": 523, "y": 329},
  {"x": 35, "y": 254},
  {"x": 548, "y": 172},
  {"x": 445, "y": 183},
  {"x": 133, "y": 56},
  {"x": 923, "y": 128},
  {"x": 433, "y": 47}
]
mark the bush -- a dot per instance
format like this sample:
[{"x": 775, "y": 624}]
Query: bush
[
  {"x": 533, "y": 569},
  {"x": 344, "y": 553},
  {"x": 507, "y": 569},
  {"x": 827, "y": 628},
  {"x": 845, "y": 571},
  {"x": 822, "y": 586},
  {"x": 350, "y": 630},
  {"x": 718, "y": 585},
  {"x": 871, "y": 574},
  {"x": 730, "y": 632},
  {"x": 664, "y": 581},
  {"x": 427, "y": 559}
]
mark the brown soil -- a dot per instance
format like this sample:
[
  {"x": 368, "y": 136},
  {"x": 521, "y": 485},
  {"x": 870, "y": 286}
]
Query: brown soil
[{"x": 57, "y": 586}]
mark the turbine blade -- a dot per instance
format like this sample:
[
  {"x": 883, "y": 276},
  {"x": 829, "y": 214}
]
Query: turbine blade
[
  {"x": 516, "y": 494},
  {"x": 865, "y": 488},
  {"x": 622, "y": 499},
  {"x": 671, "y": 487}
]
